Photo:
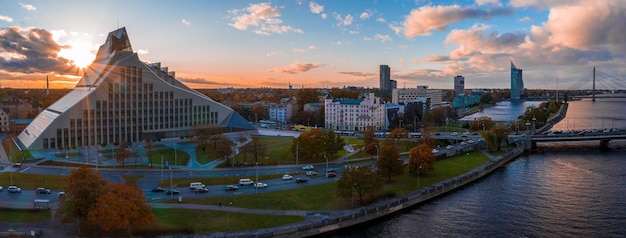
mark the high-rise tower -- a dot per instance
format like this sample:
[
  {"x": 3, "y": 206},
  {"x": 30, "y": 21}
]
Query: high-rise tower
[
  {"x": 385, "y": 79},
  {"x": 517, "y": 83},
  {"x": 459, "y": 85}
]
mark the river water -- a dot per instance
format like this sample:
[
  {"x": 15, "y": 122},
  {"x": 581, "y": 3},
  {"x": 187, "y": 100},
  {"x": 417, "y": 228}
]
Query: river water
[{"x": 561, "y": 190}]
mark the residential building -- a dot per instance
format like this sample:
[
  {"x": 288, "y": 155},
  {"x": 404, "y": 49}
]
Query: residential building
[
  {"x": 120, "y": 99},
  {"x": 4, "y": 121},
  {"x": 401, "y": 95},
  {"x": 517, "y": 83},
  {"x": 279, "y": 112},
  {"x": 354, "y": 114}
]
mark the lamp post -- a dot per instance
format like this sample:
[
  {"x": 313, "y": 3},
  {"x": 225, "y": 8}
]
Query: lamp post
[
  {"x": 377, "y": 155},
  {"x": 297, "y": 154},
  {"x": 256, "y": 188},
  {"x": 447, "y": 120},
  {"x": 171, "y": 184},
  {"x": 418, "y": 176},
  {"x": 161, "y": 168},
  {"x": 534, "y": 124},
  {"x": 227, "y": 209},
  {"x": 326, "y": 168}
]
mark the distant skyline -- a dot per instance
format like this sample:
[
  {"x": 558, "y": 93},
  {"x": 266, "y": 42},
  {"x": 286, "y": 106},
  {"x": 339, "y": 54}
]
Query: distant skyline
[{"x": 218, "y": 44}]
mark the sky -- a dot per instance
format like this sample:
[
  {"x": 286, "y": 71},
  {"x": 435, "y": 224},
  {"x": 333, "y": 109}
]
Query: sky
[{"x": 251, "y": 44}]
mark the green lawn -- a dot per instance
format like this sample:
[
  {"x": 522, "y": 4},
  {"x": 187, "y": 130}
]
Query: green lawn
[
  {"x": 322, "y": 197},
  {"x": 33, "y": 181},
  {"x": 214, "y": 221},
  {"x": 24, "y": 215},
  {"x": 174, "y": 157}
]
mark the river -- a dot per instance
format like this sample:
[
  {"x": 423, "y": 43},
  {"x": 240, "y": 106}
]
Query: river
[{"x": 560, "y": 190}]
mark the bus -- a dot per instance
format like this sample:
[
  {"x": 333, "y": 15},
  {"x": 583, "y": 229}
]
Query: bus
[
  {"x": 267, "y": 124},
  {"x": 301, "y": 128}
]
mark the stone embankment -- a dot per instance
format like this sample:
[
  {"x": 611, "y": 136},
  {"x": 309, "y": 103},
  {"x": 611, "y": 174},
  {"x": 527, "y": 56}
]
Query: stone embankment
[
  {"x": 320, "y": 222},
  {"x": 554, "y": 119}
]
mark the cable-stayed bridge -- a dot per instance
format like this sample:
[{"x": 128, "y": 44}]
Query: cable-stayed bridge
[{"x": 598, "y": 81}]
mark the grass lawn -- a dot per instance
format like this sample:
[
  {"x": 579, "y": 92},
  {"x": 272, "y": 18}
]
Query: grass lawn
[
  {"x": 177, "y": 157},
  {"x": 322, "y": 197},
  {"x": 214, "y": 221},
  {"x": 33, "y": 181},
  {"x": 24, "y": 215},
  {"x": 277, "y": 151}
]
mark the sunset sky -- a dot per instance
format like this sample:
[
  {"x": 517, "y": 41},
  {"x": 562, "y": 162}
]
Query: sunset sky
[{"x": 217, "y": 44}]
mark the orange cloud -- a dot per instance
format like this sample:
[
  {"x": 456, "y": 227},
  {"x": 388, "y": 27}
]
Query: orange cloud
[{"x": 295, "y": 68}]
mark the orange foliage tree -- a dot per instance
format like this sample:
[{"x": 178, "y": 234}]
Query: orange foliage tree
[
  {"x": 120, "y": 207},
  {"x": 389, "y": 163},
  {"x": 421, "y": 157}
]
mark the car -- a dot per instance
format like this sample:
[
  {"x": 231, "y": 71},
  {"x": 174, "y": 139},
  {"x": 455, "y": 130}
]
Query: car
[
  {"x": 232, "y": 188},
  {"x": 196, "y": 185},
  {"x": 42, "y": 191},
  {"x": 308, "y": 167},
  {"x": 1, "y": 188},
  {"x": 260, "y": 185},
  {"x": 463, "y": 143},
  {"x": 202, "y": 190},
  {"x": 435, "y": 151},
  {"x": 61, "y": 194},
  {"x": 14, "y": 189},
  {"x": 331, "y": 175},
  {"x": 287, "y": 177},
  {"x": 311, "y": 173},
  {"x": 301, "y": 180},
  {"x": 17, "y": 165},
  {"x": 246, "y": 182},
  {"x": 158, "y": 189},
  {"x": 454, "y": 134},
  {"x": 449, "y": 147},
  {"x": 172, "y": 191}
]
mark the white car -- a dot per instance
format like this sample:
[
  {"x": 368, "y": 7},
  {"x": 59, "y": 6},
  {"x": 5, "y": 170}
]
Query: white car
[
  {"x": 455, "y": 133},
  {"x": 260, "y": 185},
  {"x": 308, "y": 167},
  {"x": 287, "y": 177},
  {"x": 1, "y": 188},
  {"x": 14, "y": 189},
  {"x": 449, "y": 147},
  {"x": 435, "y": 151}
]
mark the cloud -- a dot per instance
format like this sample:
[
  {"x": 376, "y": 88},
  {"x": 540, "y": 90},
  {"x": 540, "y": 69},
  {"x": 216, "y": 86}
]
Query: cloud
[
  {"x": 525, "y": 19},
  {"x": 31, "y": 50},
  {"x": 185, "y": 22},
  {"x": 273, "y": 53},
  {"x": 203, "y": 81},
  {"x": 415, "y": 61},
  {"x": 425, "y": 19},
  {"x": 395, "y": 28},
  {"x": 544, "y": 4},
  {"x": 436, "y": 58},
  {"x": 343, "y": 43},
  {"x": 359, "y": 74},
  {"x": 486, "y": 2},
  {"x": 474, "y": 41},
  {"x": 366, "y": 14},
  {"x": 382, "y": 38},
  {"x": 295, "y": 68},
  {"x": 143, "y": 51},
  {"x": 298, "y": 50},
  {"x": 316, "y": 8},
  {"x": 5, "y": 18},
  {"x": 346, "y": 21},
  {"x": 28, "y": 7},
  {"x": 312, "y": 47},
  {"x": 381, "y": 20},
  {"x": 261, "y": 16}
]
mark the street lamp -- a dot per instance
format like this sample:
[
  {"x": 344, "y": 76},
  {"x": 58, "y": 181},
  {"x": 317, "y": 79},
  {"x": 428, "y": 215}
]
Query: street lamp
[
  {"x": 326, "y": 168},
  {"x": 377, "y": 155},
  {"x": 297, "y": 154},
  {"x": 257, "y": 177},
  {"x": 171, "y": 184},
  {"x": 534, "y": 124},
  {"x": 527, "y": 127},
  {"x": 447, "y": 120},
  {"x": 227, "y": 209},
  {"x": 352, "y": 193},
  {"x": 418, "y": 176}
]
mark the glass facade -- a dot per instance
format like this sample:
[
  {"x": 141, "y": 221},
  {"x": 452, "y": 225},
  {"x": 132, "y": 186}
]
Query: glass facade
[{"x": 517, "y": 83}]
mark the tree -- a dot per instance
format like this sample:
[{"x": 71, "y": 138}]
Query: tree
[
  {"x": 225, "y": 148},
  {"x": 368, "y": 135},
  {"x": 304, "y": 96},
  {"x": 120, "y": 207},
  {"x": 121, "y": 153},
  {"x": 315, "y": 144},
  {"x": 398, "y": 133},
  {"x": 482, "y": 123},
  {"x": 389, "y": 163},
  {"x": 361, "y": 180},
  {"x": 82, "y": 191},
  {"x": 256, "y": 147},
  {"x": 421, "y": 157},
  {"x": 495, "y": 137},
  {"x": 439, "y": 115}
]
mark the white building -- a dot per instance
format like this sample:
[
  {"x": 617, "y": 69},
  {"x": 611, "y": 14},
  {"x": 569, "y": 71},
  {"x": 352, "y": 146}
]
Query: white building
[
  {"x": 279, "y": 112},
  {"x": 120, "y": 99},
  {"x": 354, "y": 114},
  {"x": 4, "y": 121},
  {"x": 401, "y": 95}
]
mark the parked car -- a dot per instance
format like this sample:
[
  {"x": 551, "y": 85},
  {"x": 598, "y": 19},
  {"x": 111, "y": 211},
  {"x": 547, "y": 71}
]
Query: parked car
[
  {"x": 260, "y": 185},
  {"x": 17, "y": 165},
  {"x": 158, "y": 189},
  {"x": 42, "y": 191},
  {"x": 331, "y": 175},
  {"x": 1, "y": 188},
  {"x": 14, "y": 189},
  {"x": 61, "y": 194},
  {"x": 454, "y": 134},
  {"x": 435, "y": 151},
  {"x": 308, "y": 167},
  {"x": 202, "y": 190},
  {"x": 311, "y": 173},
  {"x": 287, "y": 177},
  {"x": 232, "y": 188},
  {"x": 196, "y": 185},
  {"x": 172, "y": 191},
  {"x": 449, "y": 147},
  {"x": 301, "y": 180}
]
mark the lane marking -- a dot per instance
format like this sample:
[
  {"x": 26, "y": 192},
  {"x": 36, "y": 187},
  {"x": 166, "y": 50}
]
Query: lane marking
[{"x": 25, "y": 170}]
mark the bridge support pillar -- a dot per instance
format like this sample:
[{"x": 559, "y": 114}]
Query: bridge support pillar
[{"x": 604, "y": 144}]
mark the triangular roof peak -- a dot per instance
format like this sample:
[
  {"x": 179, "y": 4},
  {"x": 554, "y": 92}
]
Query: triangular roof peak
[{"x": 117, "y": 42}]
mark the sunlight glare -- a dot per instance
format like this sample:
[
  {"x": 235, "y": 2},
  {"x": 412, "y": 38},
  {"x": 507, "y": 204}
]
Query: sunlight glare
[{"x": 81, "y": 53}]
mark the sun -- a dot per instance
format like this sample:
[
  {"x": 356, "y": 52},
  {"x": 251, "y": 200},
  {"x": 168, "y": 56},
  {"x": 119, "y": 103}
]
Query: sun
[{"x": 80, "y": 52}]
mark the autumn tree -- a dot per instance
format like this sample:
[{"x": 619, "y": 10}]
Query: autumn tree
[
  {"x": 421, "y": 157},
  {"x": 304, "y": 96},
  {"x": 495, "y": 137},
  {"x": 313, "y": 145},
  {"x": 398, "y": 133},
  {"x": 389, "y": 163},
  {"x": 225, "y": 146},
  {"x": 121, "y": 152},
  {"x": 360, "y": 180},
  {"x": 369, "y": 140},
  {"x": 482, "y": 123},
  {"x": 82, "y": 191},
  {"x": 256, "y": 147},
  {"x": 120, "y": 207}
]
